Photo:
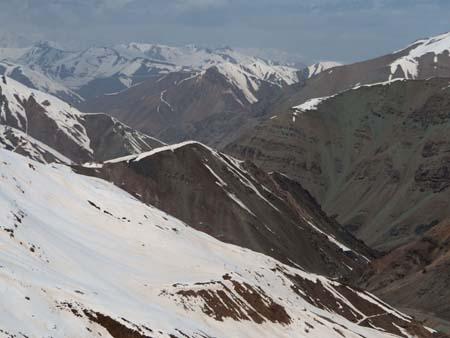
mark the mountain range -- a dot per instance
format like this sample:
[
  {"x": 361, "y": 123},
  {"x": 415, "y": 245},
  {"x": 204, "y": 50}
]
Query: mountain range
[
  {"x": 154, "y": 83},
  {"x": 306, "y": 194}
]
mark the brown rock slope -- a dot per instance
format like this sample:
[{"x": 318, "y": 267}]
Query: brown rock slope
[
  {"x": 238, "y": 203},
  {"x": 416, "y": 276},
  {"x": 204, "y": 106},
  {"x": 377, "y": 157}
]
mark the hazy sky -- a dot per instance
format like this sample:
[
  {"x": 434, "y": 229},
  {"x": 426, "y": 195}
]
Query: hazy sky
[{"x": 342, "y": 30}]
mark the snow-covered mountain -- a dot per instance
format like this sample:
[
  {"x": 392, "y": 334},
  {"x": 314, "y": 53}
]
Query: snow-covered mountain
[
  {"x": 423, "y": 56},
  {"x": 249, "y": 77},
  {"x": 100, "y": 70},
  {"x": 192, "y": 57},
  {"x": 36, "y": 80},
  {"x": 83, "y": 258},
  {"x": 78, "y": 136}
]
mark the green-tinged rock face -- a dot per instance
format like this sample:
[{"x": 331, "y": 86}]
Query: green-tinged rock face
[{"x": 377, "y": 157}]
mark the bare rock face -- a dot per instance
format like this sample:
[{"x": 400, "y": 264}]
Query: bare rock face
[
  {"x": 238, "y": 203},
  {"x": 375, "y": 156}
]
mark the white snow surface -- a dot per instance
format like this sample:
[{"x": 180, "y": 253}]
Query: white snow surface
[
  {"x": 409, "y": 63},
  {"x": 243, "y": 80},
  {"x": 83, "y": 241}
]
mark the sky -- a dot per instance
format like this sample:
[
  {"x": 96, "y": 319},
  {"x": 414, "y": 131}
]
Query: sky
[{"x": 309, "y": 31}]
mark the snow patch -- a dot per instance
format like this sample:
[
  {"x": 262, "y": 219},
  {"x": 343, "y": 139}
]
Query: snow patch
[
  {"x": 311, "y": 104},
  {"x": 320, "y": 67},
  {"x": 409, "y": 63}
]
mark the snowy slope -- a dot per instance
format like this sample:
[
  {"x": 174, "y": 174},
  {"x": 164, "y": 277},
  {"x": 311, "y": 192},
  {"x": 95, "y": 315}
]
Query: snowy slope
[
  {"x": 409, "y": 63},
  {"x": 67, "y": 118},
  {"x": 81, "y": 258},
  {"x": 38, "y": 81},
  {"x": 75, "y": 69},
  {"x": 21, "y": 143},
  {"x": 57, "y": 124}
]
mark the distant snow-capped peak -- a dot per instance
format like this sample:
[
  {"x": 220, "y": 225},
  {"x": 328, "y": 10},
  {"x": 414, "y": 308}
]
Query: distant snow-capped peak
[
  {"x": 249, "y": 77},
  {"x": 125, "y": 65}
]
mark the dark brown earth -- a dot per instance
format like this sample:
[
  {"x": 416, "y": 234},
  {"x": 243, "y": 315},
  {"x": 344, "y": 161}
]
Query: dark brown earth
[
  {"x": 114, "y": 328},
  {"x": 240, "y": 302}
]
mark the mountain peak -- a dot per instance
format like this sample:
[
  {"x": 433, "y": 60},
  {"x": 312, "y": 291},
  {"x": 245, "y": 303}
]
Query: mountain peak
[{"x": 409, "y": 63}]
